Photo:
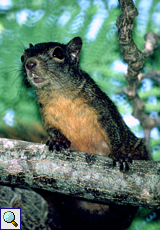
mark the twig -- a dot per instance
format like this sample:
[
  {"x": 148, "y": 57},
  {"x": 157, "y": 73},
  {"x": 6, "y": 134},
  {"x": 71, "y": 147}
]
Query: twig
[{"x": 151, "y": 74}]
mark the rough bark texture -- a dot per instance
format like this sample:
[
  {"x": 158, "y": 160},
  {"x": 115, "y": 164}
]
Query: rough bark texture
[{"x": 78, "y": 174}]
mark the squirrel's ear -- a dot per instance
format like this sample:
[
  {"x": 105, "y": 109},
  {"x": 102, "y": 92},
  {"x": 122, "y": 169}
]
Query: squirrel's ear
[
  {"x": 75, "y": 46},
  {"x": 30, "y": 45}
]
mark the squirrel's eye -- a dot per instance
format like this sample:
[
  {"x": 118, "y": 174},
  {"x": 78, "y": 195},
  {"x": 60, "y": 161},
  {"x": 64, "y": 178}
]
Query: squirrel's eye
[
  {"x": 58, "y": 53},
  {"x": 22, "y": 58}
]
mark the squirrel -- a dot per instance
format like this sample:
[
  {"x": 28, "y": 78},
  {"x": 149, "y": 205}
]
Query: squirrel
[
  {"x": 75, "y": 112},
  {"x": 78, "y": 115}
]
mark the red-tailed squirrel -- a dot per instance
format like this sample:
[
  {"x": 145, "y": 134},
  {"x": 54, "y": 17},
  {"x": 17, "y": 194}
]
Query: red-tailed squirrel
[{"x": 75, "y": 112}]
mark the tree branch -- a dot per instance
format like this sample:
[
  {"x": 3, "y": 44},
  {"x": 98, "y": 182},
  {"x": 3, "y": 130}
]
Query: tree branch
[
  {"x": 151, "y": 74},
  {"x": 78, "y": 174},
  {"x": 135, "y": 59}
]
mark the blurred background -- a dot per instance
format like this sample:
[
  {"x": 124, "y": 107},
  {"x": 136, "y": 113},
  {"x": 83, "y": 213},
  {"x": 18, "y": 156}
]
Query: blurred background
[{"x": 23, "y": 22}]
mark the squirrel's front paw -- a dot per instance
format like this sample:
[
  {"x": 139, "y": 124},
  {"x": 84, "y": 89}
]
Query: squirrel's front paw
[
  {"x": 58, "y": 145},
  {"x": 122, "y": 159}
]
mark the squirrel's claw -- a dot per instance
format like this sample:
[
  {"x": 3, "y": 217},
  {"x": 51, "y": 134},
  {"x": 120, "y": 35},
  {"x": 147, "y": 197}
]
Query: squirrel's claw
[
  {"x": 57, "y": 145},
  {"x": 122, "y": 161}
]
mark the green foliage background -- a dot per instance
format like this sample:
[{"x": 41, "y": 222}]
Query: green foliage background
[{"x": 23, "y": 22}]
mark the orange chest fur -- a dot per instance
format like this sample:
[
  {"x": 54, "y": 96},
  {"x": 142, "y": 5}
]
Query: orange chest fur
[{"x": 78, "y": 123}]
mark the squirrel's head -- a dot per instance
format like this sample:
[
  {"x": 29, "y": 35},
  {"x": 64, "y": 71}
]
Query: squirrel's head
[{"x": 51, "y": 63}]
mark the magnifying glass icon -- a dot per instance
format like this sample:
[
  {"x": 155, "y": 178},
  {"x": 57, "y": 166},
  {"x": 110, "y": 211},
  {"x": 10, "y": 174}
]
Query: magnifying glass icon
[{"x": 9, "y": 217}]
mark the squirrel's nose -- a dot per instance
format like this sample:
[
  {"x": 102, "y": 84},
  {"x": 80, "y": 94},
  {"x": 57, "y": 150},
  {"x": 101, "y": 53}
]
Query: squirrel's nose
[{"x": 31, "y": 64}]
